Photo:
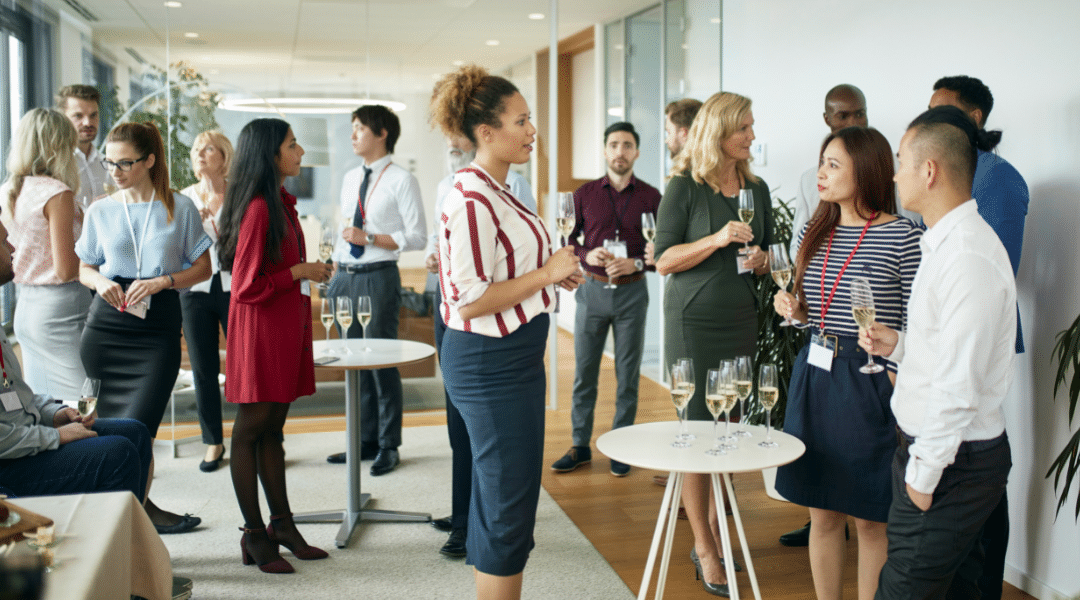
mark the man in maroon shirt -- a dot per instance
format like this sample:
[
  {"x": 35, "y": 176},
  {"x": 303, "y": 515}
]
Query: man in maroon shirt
[{"x": 615, "y": 294}]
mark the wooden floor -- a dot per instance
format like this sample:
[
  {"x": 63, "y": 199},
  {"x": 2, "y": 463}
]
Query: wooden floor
[{"x": 618, "y": 515}]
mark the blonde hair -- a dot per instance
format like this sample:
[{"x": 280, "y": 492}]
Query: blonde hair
[
  {"x": 718, "y": 119},
  {"x": 43, "y": 145},
  {"x": 219, "y": 141}
]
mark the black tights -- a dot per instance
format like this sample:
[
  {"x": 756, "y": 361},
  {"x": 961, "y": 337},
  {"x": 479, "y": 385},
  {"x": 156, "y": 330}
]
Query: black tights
[{"x": 257, "y": 455}]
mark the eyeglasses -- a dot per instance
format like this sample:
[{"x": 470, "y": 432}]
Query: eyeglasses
[{"x": 123, "y": 165}]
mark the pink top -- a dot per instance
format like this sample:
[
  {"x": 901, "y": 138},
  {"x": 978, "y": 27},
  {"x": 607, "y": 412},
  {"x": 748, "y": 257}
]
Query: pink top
[{"x": 33, "y": 260}]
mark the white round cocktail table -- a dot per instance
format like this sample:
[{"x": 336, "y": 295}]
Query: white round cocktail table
[{"x": 648, "y": 445}]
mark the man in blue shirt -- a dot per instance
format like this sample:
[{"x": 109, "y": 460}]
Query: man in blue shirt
[{"x": 1002, "y": 197}]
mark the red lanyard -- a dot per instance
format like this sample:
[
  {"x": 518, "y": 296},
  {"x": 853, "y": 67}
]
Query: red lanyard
[
  {"x": 3, "y": 368},
  {"x": 826, "y": 302},
  {"x": 360, "y": 201}
]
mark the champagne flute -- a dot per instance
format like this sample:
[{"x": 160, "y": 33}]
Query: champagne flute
[
  {"x": 746, "y": 211},
  {"x": 728, "y": 375},
  {"x": 780, "y": 266},
  {"x": 565, "y": 219},
  {"x": 714, "y": 401},
  {"x": 743, "y": 386},
  {"x": 326, "y": 315},
  {"x": 769, "y": 393},
  {"x": 648, "y": 226},
  {"x": 344, "y": 313},
  {"x": 690, "y": 385},
  {"x": 363, "y": 314},
  {"x": 617, "y": 249},
  {"x": 862, "y": 307},
  {"x": 326, "y": 250},
  {"x": 681, "y": 378},
  {"x": 88, "y": 397}
]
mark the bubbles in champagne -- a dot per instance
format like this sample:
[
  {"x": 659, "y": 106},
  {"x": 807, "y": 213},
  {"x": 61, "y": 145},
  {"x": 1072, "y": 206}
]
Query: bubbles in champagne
[
  {"x": 782, "y": 277},
  {"x": 864, "y": 315},
  {"x": 769, "y": 396}
]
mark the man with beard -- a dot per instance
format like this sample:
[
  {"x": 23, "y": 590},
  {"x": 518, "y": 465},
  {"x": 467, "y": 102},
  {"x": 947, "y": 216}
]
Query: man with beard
[
  {"x": 615, "y": 294},
  {"x": 678, "y": 117},
  {"x": 80, "y": 104},
  {"x": 459, "y": 153}
]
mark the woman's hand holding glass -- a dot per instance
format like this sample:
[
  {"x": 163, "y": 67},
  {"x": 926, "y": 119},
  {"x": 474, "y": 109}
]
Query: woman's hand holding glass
[
  {"x": 312, "y": 271},
  {"x": 733, "y": 232}
]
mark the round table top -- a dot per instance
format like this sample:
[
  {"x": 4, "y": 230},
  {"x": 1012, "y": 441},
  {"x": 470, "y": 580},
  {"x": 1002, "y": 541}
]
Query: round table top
[
  {"x": 384, "y": 353},
  {"x": 648, "y": 446}
]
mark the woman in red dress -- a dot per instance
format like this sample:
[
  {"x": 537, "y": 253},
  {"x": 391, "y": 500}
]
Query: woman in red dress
[{"x": 269, "y": 361}]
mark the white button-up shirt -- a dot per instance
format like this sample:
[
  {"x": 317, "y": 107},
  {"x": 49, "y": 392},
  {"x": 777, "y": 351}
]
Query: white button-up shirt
[
  {"x": 92, "y": 176},
  {"x": 393, "y": 207},
  {"x": 956, "y": 358}
]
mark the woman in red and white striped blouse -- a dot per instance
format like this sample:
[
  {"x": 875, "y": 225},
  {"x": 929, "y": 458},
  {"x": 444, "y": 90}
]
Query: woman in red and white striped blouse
[{"x": 497, "y": 272}]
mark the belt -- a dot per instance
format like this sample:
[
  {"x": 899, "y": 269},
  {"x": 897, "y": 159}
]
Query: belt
[
  {"x": 617, "y": 280},
  {"x": 845, "y": 345},
  {"x": 368, "y": 267},
  {"x": 906, "y": 440}
]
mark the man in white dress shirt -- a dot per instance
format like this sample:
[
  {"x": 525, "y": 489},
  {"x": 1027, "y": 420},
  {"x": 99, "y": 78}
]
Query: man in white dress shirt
[
  {"x": 955, "y": 368},
  {"x": 80, "y": 103},
  {"x": 383, "y": 216}
]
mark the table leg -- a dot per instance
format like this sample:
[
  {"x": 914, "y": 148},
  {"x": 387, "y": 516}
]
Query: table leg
[
  {"x": 666, "y": 506},
  {"x": 742, "y": 537},
  {"x": 725, "y": 537},
  {"x": 673, "y": 518}
]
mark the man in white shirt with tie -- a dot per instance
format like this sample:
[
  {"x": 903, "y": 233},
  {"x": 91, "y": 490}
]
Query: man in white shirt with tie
[
  {"x": 383, "y": 216},
  {"x": 955, "y": 368},
  {"x": 80, "y": 104}
]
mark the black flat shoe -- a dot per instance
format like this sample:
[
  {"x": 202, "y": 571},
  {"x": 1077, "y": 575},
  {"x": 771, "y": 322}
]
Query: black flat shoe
[
  {"x": 186, "y": 523},
  {"x": 385, "y": 462},
  {"x": 455, "y": 544},
  {"x": 209, "y": 466},
  {"x": 444, "y": 524}
]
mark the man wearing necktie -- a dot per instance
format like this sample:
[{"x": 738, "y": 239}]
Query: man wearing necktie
[{"x": 383, "y": 216}]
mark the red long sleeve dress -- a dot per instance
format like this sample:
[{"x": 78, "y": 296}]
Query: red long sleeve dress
[{"x": 269, "y": 356}]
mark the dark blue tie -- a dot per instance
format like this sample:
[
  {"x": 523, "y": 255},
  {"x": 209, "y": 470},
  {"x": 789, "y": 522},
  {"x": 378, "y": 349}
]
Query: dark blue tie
[{"x": 358, "y": 216}]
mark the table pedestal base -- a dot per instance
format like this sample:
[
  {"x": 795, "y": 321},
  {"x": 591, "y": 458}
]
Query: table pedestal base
[{"x": 350, "y": 519}]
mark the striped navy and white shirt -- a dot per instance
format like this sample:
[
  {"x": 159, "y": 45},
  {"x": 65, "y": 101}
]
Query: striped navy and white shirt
[
  {"x": 888, "y": 257},
  {"x": 488, "y": 236}
]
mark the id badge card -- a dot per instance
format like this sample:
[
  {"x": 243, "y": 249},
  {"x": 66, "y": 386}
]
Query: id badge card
[
  {"x": 305, "y": 287},
  {"x": 822, "y": 350},
  {"x": 617, "y": 248},
  {"x": 10, "y": 399},
  {"x": 739, "y": 262},
  {"x": 139, "y": 309}
]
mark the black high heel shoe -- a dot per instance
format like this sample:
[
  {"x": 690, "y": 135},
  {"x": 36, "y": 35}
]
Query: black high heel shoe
[
  {"x": 697, "y": 561},
  {"x": 716, "y": 589},
  {"x": 275, "y": 566},
  {"x": 209, "y": 466},
  {"x": 306, "y": 552}
]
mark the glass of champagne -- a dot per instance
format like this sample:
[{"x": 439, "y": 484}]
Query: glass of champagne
[
  {"x": 343, "y": 311},
  {"x": 862, "y": 307},
  {"x": 746, "y": 211},
  {"x": 88, "y": 397},
  {"x": 617, "y": 249},
  {"x": 690, "y": 385},
  {"x": 780, "y": 266},
  {"x": 565, "y": 219},
  {"x": 728, "y": 375},
  {"x": 326, "y": 315},
  {"x": 744, "y": 384},
  {"x": 714, "y": 401},
  {"x": 682, "y": 377},
  {"x": 326, "y": 250},
  {"x": 769, "y": 394},
  {"x": 648, "y": 227},
  {"x": 363, "y": 314}
]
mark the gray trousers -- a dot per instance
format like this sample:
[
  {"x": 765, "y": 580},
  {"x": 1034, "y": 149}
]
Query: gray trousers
[
  {"x": 622, "y": 309},
  {"x": 380, "y": 390}
]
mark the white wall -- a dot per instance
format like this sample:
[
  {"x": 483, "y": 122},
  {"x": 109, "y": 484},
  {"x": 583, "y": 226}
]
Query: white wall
[{"x": 785, "y": 54}]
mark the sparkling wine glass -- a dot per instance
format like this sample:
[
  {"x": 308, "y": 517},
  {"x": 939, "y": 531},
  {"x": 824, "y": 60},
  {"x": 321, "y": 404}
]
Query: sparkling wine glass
[
  {"x": 862, "y": 307},
  {"x": 326, "y": 315},
  {"x": 769, "y": 393},
  {"x": 565, "y": 218},
  {"x": 617, "y": 249},
  {"x": 88, "y": 397},
  {"x": 744, "y": 384},
  {"x": 714, "y": 401},
  {"x": 343, "y": 310},
  {"x": 780, "y": 266},
  {"x": 682, "y": 389},
  {"x": 648, "y": 227},
  {"x": 363, "y": 314},
  {"x": 746, "y": 212},
  {"x": 728, "y": 373},
  {"x": 326, "y": 251},
  {"x": 690, "y": 384}
]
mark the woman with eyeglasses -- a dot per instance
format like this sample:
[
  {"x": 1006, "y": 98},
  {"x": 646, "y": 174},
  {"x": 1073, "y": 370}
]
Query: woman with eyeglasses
[
  {"x": 51, "y": 312},
  {"x": 138, "y": 246}
]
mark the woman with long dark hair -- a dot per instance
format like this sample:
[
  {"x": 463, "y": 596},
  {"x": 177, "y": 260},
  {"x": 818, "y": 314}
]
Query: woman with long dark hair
[
  {"x": 842, "y": 415},
  {"x": 269, "y": 362},
  {"x": 138, "y": 246}
]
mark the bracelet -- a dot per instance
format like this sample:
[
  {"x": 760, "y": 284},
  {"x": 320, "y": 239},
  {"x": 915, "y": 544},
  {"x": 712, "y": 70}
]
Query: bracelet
[{"x": 172, "y": 282}]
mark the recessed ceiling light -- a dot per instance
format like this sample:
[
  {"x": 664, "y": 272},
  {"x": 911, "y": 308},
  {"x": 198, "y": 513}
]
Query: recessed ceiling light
[
  {"x": 214, "y": 71},
  {"x": 493, "y": 42},
  {"x": 715, "y": 20},
  {"x": 304, "y": 105},
  {"x": 536, "y": 16},
  {"x": 191, "y": 34},
  {"x": 458, "y": 63},
  {"x": 174, "y": 4}
]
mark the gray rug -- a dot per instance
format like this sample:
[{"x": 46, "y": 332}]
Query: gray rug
[{"x": 384, "y": 560}]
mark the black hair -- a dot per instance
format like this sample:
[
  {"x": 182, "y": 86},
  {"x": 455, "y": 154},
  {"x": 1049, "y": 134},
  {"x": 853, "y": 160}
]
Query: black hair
[
  {"x": 254, "y": 173},
  {"x": 938, "y": 126},
  {"x": 378, "y": 119},
  {"x": 972, "y": 92},
  {"x": 622, "y": 126}
]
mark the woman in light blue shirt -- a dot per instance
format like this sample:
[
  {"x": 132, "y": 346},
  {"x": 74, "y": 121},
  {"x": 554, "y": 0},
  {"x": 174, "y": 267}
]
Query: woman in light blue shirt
[{"x": 136, "y": 246}]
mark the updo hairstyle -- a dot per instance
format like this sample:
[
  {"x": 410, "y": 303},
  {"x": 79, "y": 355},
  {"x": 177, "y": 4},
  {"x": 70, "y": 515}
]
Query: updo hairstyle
[{"x": 467, "y": 98}]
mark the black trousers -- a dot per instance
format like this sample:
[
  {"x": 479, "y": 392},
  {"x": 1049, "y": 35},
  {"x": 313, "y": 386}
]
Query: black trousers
[
  {"x": 203, "y": 312},
  {"x": 938, "y": 553},
  {"x": 460, "y": 446},
  {"x": 995, "y": 541}
]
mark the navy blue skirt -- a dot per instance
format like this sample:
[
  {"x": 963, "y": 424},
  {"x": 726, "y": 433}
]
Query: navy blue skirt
[
  {"x": 498, "y": 385},
  {"x": 845, "y": 420}
]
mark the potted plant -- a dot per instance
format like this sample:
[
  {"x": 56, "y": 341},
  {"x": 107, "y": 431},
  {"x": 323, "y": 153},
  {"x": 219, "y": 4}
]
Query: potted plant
[{"x": 1067, "y": 352}]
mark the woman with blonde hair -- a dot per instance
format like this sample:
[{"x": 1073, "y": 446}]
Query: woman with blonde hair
[
  {"x": 51, "y": 311},
  {"x": 709, "y": 302},
  {"x": 206, "y": 305}
]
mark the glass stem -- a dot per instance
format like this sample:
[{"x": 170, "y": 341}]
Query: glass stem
[
  {"x": 742, "y": 414},
  {"x": 715, "y": 434},
  {"x": 768, "y": 425},
  {"x": 727, "y": 425}
]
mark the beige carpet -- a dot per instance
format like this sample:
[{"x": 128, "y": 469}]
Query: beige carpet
[{"x": 384, "y": 560}]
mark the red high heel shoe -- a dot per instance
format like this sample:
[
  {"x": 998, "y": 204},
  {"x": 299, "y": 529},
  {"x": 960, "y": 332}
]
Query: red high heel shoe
[
  {"x": 276, "y": 566},
  {"x": 305, "y": 553}
]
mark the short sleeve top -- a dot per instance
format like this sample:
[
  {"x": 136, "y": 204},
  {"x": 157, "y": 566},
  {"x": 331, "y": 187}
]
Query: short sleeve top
[
  {"x": 33, "y": 259},
  {"x": 109, "y": 237}
]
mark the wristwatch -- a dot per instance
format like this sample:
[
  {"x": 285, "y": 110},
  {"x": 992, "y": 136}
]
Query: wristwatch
[
  {"x": 639, "y": 264},
  {"x": 370, "y": 238}
]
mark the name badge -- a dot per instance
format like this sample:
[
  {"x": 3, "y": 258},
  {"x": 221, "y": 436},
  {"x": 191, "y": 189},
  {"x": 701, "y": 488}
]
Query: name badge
[
  {"x": 822, "y": 351},
  {"x": 139, "y": 309},
  {"x": 739, "y": 262},
  {"x": 305, "y": 287},
  {"x": 10, "y": 398}
]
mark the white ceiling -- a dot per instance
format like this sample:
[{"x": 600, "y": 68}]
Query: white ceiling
[{"x": 304, "y": 47}]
